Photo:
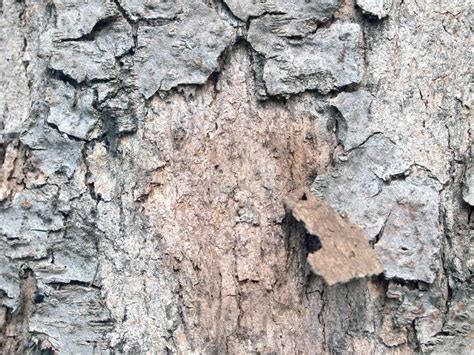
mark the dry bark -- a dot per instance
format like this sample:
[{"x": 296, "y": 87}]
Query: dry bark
[
  {"x": 148, "y": 148},
  {"x": 341, "y": 251}
]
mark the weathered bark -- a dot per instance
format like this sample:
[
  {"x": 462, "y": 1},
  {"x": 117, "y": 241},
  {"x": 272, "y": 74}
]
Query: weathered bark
[{"x": 148, "y": 149}]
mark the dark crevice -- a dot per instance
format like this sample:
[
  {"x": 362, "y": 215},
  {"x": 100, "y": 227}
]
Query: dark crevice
[
  {"x": 224, "y": 9},
  {"x": 338, "y": 124},
  {"x": 295, "y": 37},
  {"x": 112, "y": 135},
  {"x": 101, "y": 25},
  {"x": 380, "y": 233},
  {"x": 3, "y": 151},
  {"x": 409, "y": 284},
  {"x": 361, "y": 145},
  {"x": 56, "y": 128},
  {"x": 263, "y": 14},
  {"x": 88, "y": 175},
  {"x": 311, "y": 242},
  {"x": 156, "y": 21},
  {"x": 61, "y": 76},
  {"x": 3, "y": 143},
  {"x": 60, "y": 285},
  {"x": 123, "y": 12}
]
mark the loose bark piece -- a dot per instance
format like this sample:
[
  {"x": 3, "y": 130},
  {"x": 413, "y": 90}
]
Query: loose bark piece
[{"x": 345, "y": 253}]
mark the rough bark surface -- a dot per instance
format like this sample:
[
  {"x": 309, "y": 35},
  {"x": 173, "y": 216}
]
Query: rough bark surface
[{"x": 147, "y": 148}]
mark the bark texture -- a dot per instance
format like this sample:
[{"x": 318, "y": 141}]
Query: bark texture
[{"x": 148, "y": 148}]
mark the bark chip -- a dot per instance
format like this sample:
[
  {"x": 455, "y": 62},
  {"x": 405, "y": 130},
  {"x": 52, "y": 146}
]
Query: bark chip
[{"x": 345, "y": 253}]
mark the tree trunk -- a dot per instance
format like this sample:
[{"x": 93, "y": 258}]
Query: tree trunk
[{"x": 149, "y": 147}]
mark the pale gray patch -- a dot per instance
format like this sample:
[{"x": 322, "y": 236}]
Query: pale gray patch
[
  {"x": 91, "y": 59},
  {"x": 468, "y": 187},
  {"x": 188, "y": 53},
  {"x": 154, "y": 9},
  {"x": 373, "y": 189},
  {"x": 355, "y": 123},
  {"x": 84, "y": 305},
  {"x": 320, "y": 9},
  {"x": 76, "y": 18},
  {"x": 410, "y": 242},
  {"x": 56, "y": 156},
  {"x": 24, "y": 235},
  {"x": 378, "y": 8},
  {"x": 326, "y": 60},
  {"x": 72, "y": 111}
]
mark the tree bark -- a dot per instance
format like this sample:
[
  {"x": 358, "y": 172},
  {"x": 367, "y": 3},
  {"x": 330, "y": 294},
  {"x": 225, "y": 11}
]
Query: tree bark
[{"x": 148, "y": 149}]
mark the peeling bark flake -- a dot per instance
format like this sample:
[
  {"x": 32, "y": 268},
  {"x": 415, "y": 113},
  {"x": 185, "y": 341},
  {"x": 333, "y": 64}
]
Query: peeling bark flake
[{"x": 345, "y": 253}]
